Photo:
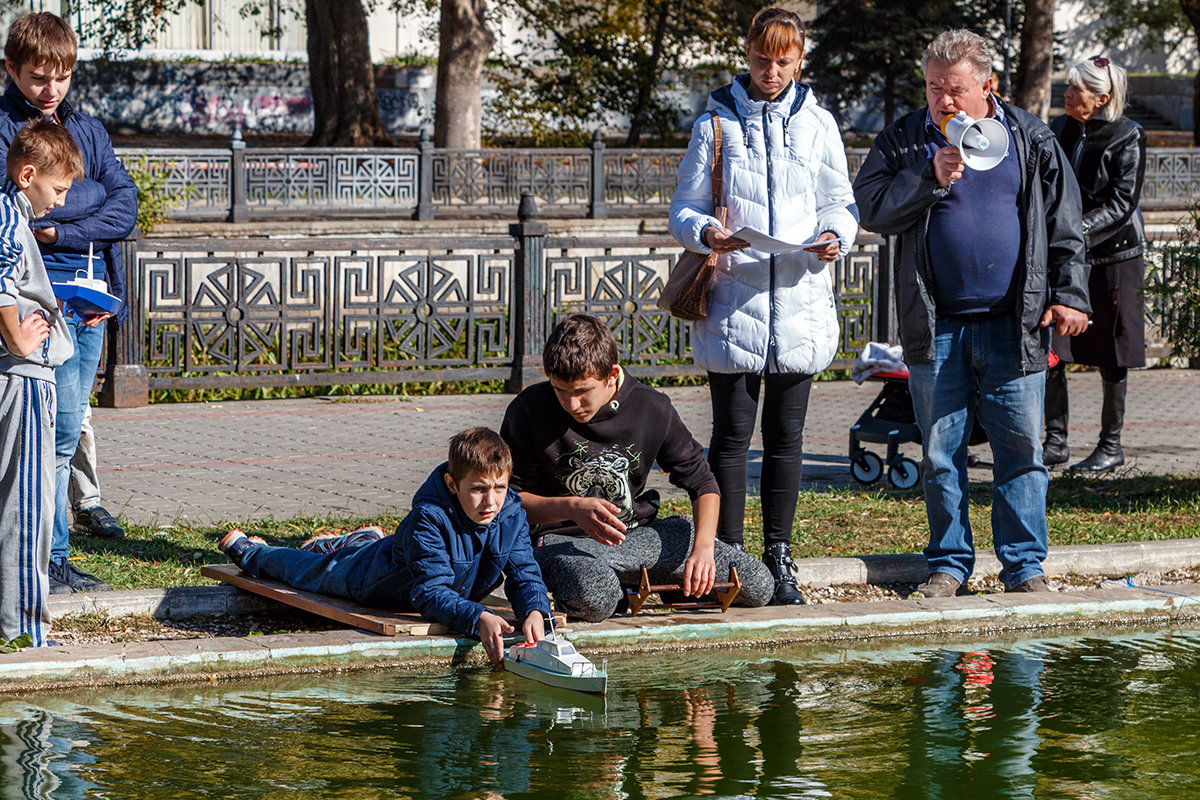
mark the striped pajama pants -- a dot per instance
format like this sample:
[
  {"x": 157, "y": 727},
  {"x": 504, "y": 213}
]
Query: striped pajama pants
[{"x": 27, "y": 409}]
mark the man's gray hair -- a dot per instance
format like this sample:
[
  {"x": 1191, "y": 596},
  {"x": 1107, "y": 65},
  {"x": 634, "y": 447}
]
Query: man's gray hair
[{"x": 951, "y": 47}]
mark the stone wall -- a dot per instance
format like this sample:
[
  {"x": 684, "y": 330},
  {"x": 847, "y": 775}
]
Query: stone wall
[{"x": 1169, "y": 97}]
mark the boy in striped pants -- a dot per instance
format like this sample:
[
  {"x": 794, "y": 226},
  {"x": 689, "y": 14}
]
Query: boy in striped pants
[{"x": 42, "y": 163}]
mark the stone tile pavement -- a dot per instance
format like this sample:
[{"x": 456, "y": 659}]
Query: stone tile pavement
[{"x": 218, "y": 462}]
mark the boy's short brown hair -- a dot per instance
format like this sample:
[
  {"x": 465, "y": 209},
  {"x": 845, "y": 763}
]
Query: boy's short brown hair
[
  {"x": 478, "y": 450},
  {"x": 48, "y": 147},
  {"x": 41, "y": 38},
  {"x": 580, "y": 347}
]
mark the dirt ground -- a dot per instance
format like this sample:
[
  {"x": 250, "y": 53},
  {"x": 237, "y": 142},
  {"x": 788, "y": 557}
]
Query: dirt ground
[{"x": 97, "y": 629}]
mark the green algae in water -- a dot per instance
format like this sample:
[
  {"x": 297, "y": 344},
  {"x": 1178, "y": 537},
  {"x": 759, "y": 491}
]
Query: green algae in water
[{"x": 1104, "y": 715}]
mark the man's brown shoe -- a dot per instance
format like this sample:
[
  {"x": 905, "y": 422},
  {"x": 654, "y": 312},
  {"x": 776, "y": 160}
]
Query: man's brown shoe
[
  {"x": 1035, "y": 584},
  {"x": 938, "y": 584}
]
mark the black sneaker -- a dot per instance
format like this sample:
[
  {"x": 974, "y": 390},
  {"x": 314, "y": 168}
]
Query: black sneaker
[
  {"x": 99, "y": 523},
  {"x": 59, "y": 577},
  {"x": 75, "y": 578},
  {"x": 235, "y": 544}
]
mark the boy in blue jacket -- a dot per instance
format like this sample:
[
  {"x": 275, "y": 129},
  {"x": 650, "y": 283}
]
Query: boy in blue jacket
[
  {"x": 466, "y": 531},
  {"x": 100, "y": 210}
]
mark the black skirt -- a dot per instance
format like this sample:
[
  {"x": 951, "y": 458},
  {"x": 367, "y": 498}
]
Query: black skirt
[{"x": 1117, "y": 336}]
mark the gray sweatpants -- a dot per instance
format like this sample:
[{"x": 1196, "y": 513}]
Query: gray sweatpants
[
  {"x": 586, "y": 576},
  {"x": 27, "y": 408}
]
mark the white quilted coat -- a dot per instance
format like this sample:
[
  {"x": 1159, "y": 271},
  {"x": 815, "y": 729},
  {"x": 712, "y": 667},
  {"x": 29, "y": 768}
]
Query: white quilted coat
[{"x": 785, "y": 174}]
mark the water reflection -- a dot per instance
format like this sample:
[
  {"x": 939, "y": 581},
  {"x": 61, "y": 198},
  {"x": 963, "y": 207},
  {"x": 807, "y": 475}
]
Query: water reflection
[{"x": 1069, "y": 717}]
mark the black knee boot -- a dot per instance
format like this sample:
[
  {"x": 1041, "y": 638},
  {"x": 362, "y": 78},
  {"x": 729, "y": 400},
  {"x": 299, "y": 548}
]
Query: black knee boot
[
  {"x": 1054, "y": 449},
  {"x": 778, "y": 558},
  {"x": 1108, "y": 454}
]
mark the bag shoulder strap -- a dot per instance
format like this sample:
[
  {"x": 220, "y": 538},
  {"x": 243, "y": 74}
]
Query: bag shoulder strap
[{"x": 718, "y": 168}]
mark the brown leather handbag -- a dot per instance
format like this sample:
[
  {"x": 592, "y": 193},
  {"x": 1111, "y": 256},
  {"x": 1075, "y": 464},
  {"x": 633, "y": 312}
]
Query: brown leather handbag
[{"x": 685, "y": 296}]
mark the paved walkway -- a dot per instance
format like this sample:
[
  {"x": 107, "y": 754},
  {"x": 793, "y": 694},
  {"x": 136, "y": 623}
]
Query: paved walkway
[{"x": 216, "y": 462}]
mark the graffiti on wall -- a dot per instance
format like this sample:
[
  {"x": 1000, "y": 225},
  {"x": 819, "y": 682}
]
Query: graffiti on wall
[{"x": 214, "y": 98}]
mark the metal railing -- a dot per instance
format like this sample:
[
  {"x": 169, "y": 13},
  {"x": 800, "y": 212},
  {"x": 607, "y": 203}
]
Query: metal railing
[
  {"x": 597, "y": 181},
  {"x": 262, "y": 312},
  {"x": 225, "y": 313}
]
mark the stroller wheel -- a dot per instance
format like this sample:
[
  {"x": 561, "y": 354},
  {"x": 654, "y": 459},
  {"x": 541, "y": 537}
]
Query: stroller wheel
[
  {"x": 866, "y": 467},
  {"x": 904, "y": 474}
]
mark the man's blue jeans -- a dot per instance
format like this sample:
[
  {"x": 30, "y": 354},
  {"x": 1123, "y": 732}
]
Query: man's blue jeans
[
  {"x": 976, "y": 369},
  {"x": 74, "y": 380}
]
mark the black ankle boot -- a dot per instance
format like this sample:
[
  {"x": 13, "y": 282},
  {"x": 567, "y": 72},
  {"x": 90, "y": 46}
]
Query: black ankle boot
[
  {"x": 1054, "y": 449},
  {"x": 778, "y": 558},
  {"x": 1108, "y": 454}
]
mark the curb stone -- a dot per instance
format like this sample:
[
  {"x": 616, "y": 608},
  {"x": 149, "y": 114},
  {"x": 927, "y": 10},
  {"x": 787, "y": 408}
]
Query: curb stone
[{"x": 1128, "y": 558}]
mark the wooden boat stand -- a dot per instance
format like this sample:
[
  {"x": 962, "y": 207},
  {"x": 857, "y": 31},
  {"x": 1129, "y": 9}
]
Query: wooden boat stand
[
  {"x": 724, "y": 593},
  {"x": 372, "y": 620}
]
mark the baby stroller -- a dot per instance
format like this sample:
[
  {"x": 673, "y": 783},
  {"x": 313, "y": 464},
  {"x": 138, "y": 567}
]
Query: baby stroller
[{"x": 890, "y": 420}]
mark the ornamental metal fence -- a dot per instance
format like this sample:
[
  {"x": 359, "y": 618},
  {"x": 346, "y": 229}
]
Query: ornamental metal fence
[
  {"x": 241, "y": 313},
  {"x": 240, "y": 183},
  {"x": 209, "y": 313}
]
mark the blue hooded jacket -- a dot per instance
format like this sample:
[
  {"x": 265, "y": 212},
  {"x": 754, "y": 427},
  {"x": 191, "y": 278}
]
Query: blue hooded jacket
[
  {"x": 441, "y": 564},
  {"x": 82, "y": 220}
]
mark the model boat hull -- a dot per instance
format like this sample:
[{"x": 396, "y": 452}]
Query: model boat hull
[{"x": 596, "y": 683}]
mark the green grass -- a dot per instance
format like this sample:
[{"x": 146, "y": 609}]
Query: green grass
[{"x": 1128, "y": 507}]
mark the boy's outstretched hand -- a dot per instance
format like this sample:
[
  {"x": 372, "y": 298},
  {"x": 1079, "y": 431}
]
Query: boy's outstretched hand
[
  {"x": 534, "y": 627},
  {"x": 491, "y": 630}
]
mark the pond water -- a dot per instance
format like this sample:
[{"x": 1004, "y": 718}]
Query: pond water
[{"x": 1085, "y": 715}]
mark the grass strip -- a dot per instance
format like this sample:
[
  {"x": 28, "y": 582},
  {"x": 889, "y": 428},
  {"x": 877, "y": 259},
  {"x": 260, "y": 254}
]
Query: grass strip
[{"x": 1127, "y": 507}]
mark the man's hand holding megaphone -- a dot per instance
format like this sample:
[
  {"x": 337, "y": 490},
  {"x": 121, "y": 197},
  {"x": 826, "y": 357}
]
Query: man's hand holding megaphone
[{"x": 948, "y": 165}]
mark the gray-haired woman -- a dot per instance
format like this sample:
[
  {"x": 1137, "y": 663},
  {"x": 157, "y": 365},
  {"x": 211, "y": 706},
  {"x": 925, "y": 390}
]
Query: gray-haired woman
[{"x": 1108, "y": 154}]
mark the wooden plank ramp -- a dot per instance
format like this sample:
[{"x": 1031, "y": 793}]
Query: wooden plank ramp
[{"x": 372, "y": 620}]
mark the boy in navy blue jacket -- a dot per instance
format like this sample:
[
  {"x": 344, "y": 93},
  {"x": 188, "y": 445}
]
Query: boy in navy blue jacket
[
  {"x": 466, "y": 531},
  {"x": 100, "y": 210}
]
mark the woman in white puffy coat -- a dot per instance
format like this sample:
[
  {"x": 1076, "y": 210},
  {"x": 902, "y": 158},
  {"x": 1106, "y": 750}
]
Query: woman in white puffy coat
[{"x": 772, "y": 319}]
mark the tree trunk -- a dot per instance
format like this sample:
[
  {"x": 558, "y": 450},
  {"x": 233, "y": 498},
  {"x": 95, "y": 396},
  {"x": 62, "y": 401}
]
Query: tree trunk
[
  {"x": 649, "y": 77},
  {"x": 341, "y": 76},
  {"x": 1191, "y": 8},
  {"x": 465, "y": 42},
  {"x": 889, "y": 95},
  {"x": 1032, "y": 90}
]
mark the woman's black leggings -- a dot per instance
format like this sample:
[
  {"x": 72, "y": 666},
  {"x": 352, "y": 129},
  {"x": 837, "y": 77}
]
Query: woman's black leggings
[{"x": 735, "y": 405}]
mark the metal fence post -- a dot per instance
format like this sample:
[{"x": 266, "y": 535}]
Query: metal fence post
[
  {"x": 883, "y": 329},
  {"x": 425, "y": 178},
  {"x": 528, "y": 315},
  {"x": 126, "y": 380},
  {"x": 239, "y": 211},
  {"x": 597, "y": 208}
]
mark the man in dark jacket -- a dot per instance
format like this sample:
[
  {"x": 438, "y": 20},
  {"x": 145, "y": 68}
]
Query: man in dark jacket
[
  {"x": 99, "y": 212},
  {"x": 987, "y": 259}
]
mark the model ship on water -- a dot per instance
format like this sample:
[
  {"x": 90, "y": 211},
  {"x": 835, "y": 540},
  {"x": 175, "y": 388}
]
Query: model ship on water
[{"x": 555, "y": 662}]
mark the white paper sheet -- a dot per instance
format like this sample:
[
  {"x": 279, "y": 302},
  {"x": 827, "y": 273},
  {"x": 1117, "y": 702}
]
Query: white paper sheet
[{"x": 763, "y": 243}]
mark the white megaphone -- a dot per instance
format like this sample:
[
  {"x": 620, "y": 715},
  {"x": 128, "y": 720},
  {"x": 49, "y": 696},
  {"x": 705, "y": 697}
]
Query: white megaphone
[{"x": 982, "y": 142}]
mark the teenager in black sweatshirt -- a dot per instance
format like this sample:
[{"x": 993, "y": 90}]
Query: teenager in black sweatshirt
[{"x": 583, "y": 445}]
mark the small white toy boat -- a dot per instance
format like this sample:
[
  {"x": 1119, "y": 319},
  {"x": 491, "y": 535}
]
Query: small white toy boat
[
  {"x": 88, "y": 296},
  {"x": 555, "y": 662}
]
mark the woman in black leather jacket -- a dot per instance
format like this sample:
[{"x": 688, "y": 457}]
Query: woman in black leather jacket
[{"x": 1108, "y": 154}]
